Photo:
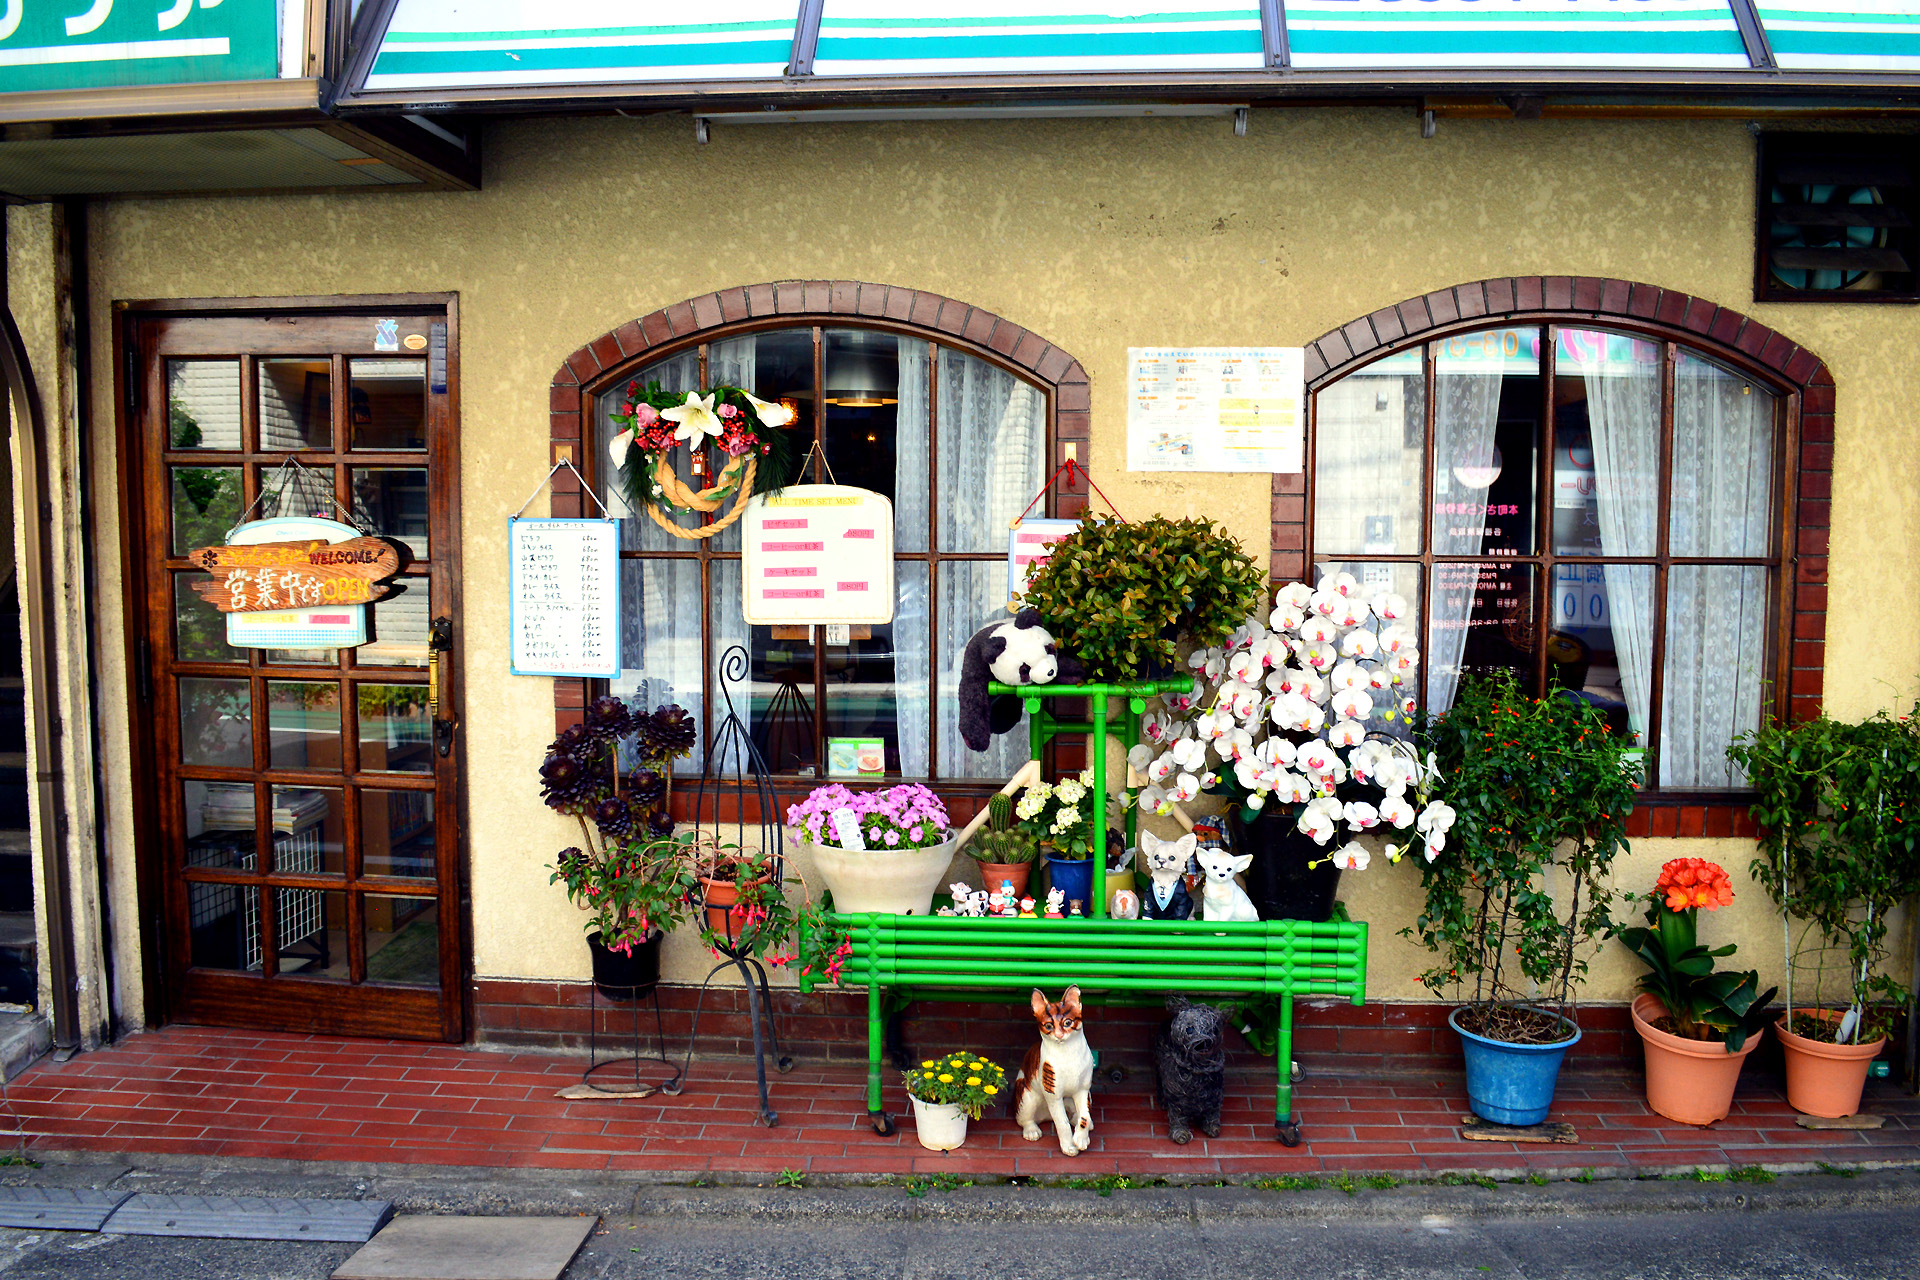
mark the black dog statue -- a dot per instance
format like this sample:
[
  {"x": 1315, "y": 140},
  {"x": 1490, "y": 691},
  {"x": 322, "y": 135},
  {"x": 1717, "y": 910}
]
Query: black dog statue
[{"x": 1190, "y": 1059}]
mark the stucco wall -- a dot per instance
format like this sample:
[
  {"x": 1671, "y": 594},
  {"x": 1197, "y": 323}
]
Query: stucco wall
[{"x": 1095, "y": 234}]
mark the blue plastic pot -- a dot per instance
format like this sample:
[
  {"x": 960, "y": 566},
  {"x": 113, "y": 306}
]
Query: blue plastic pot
[
  {"x": 1074, "y": 878},
  {"x": 1511, "y": 1083}
]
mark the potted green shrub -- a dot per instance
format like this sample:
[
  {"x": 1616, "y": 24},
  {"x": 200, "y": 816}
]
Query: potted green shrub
[
  {"x": 626, "y": 871},
  {"x": 1127, "y": 595},
  {"x": 1541, "y": 790},
  {"x": 1697, "y": 1024},
  {"x": 947, "y": 1092},
  {"x": 1838, "y": 806},
  {"x": 1004, "y": 851}
]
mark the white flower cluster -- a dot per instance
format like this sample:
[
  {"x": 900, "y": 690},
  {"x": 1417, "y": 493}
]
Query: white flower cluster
[{"x": 1286, "y": 704}]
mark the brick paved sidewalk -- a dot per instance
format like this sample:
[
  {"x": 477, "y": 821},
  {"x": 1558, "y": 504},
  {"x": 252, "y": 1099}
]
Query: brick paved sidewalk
[{"x": 211, "y": 1092}]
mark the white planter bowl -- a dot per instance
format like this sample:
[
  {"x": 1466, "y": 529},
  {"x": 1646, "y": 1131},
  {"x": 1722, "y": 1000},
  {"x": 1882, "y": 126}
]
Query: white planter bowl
[
  {"x": 940, "y": 1126},
  {"x": 900, "y": 881}
]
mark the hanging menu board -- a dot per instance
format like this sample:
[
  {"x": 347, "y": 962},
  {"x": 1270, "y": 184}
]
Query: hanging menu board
[
  {"x": 563, "y": 595},
  {"x": 814, "y": 553},
  {"x": 1216, "y": 409}
]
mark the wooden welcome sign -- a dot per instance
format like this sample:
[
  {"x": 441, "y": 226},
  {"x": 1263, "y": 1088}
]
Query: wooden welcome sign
[{"x": 308, "y": 574}]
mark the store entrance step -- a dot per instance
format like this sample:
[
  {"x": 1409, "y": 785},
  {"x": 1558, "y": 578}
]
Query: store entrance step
[
  {"x": 57, "y": 1208},
  {"x": 25, "y": 1038},
  {"x": 424, "y": 1247},
  {"x": 249, "y": 1218}
]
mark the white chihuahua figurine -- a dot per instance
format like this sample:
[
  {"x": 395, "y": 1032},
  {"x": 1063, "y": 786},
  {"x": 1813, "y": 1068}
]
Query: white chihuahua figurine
[{"x": 1221, "y": 898}]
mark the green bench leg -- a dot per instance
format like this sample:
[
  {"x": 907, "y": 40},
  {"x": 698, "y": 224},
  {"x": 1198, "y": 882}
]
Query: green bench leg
[
  {"x": 1286, "y": 1127},
  {"x": 876, "y": 1030}
]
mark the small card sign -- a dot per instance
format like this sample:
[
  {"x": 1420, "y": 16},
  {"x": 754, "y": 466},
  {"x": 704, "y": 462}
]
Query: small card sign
[
  {"x": 817, "y": 553},
  {"x": 1028, "y": 545},
  {"x": 563, "y": 591}
]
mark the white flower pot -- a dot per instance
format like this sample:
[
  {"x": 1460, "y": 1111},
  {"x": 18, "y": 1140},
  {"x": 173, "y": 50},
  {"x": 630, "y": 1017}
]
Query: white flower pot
[
  {"x": 940, "y": 1126},
  {"x": 900, "y": 881}
]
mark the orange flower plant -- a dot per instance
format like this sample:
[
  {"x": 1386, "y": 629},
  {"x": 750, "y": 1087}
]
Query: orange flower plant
[{"x": 1704, "y": 1004}]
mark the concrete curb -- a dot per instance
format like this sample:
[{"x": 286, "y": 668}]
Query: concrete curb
[{"x": 564, "y": 1193}]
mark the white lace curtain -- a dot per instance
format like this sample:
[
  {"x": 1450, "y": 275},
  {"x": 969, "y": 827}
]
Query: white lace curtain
[{"x": 1466, "y": 409}]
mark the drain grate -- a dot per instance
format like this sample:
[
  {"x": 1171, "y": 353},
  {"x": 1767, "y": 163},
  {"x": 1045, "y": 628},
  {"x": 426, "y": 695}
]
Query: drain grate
[
  {"x": 250, "y": 1218},
  {"x": 58, "y": 1208}
]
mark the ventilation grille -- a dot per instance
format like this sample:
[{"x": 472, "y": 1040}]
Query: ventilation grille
[{"x": 1837, "y": 217}]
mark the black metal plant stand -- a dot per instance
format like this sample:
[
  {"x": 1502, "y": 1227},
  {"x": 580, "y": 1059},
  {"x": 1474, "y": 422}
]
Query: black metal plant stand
[
  {"x": 632, "y": 1000},
  {"x": 736, "y": 779}
]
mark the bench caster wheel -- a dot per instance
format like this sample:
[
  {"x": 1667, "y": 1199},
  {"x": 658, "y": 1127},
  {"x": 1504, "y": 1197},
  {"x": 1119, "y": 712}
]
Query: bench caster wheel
[
  {"x": 1288, "y": 1131},
  {"x": 784, "y": 1065},
  {"x": 882, "y": 1123}
]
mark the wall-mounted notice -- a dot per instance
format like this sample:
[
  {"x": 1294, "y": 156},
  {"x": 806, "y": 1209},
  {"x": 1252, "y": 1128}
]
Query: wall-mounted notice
[
  {"x": 563, "y": 594},
  {"x": 1216, "y": 409},
  {"x": 1029, "y": 543},
  {"x": 817, "y": 553}
]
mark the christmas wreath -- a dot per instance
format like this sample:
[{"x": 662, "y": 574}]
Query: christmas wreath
[{"x": 654, "y": 423}]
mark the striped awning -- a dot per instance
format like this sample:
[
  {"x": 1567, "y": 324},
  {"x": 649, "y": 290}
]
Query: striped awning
[
  {"x": 1843, "y": 35},
  {"x": 723, "y": 50},
  {"x": 959, "y": 37},
  {"x": 446, "y": 44},
  {"x": 1637, "y": 34}
]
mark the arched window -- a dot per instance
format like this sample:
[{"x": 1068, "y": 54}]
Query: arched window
[
  {"x": 960, "y": 445},
  {"x": 1600, "y": 510}
]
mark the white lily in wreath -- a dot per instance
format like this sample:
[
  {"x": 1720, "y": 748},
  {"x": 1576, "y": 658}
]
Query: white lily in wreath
[
  {"x": 771, "y": 414},
  {"x": 696, "y": 417}
]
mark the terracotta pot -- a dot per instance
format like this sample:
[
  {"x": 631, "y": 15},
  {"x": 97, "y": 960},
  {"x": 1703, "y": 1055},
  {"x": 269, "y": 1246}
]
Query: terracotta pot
[
  {"x": 993, "y": 874},
  {"x": 1687, "y": 1080},
  {"x": 721, "y": 895},
  {"x": 1825, "y": 1079}
]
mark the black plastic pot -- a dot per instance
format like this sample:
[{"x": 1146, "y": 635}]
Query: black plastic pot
[
  {"x": 1280, "y": 883},
  {"x": 622, "y": 976}
]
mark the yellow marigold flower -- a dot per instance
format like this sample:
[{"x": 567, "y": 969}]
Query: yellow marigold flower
[
  {"x": 990, "y": 1089},
  {"x": 927, "y": 1063},
  {"x": 973, "y": 1080},
  {"x": 946, "y": 1079},
  {"x": 927, "y": 1075}
]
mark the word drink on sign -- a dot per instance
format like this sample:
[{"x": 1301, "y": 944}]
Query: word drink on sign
[
  {"x": 817, "y": 553},
  {"x": 563, "y": 588}
]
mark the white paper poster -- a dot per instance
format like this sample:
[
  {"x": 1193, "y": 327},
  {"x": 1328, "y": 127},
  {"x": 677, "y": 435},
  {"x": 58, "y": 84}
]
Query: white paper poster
[
  {"x": 815, "y": 553},
  {"x": 1029, "y": 543},
  {"x": 563, "y": 595},
  {"x": 1216, "y": 409}
]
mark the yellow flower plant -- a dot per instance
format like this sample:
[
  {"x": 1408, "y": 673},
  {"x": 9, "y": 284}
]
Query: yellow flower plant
[{"x": 965, "y": 1080}]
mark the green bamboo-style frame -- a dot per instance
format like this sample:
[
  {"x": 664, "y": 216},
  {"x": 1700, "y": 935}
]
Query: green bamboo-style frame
[{"x": 1119, "y": 961}]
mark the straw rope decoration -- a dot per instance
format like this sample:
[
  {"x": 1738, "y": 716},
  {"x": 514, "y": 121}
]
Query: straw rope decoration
[{"x": 653, "y": 423}]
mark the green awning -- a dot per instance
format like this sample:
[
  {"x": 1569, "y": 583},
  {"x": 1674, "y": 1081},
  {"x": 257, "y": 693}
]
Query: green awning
[
  {"x": 1530, "y": 34},
  {"x": 1843, "y": 35}
]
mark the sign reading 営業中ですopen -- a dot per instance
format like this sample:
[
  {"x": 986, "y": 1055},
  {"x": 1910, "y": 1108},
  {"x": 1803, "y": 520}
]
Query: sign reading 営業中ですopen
[
  {"x": 297, "y": 582},
  {"x": 817, "y": 553}
]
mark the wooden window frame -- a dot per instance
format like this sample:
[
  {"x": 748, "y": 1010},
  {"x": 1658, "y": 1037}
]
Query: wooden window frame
[
  {"x": 1804, "y": 462},
  {"x": 609, "y": 361}
]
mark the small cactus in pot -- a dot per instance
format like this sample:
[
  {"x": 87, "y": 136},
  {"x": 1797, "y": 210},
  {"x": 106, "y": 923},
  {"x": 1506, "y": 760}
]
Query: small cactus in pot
[{"x": 1004, "y": 851}]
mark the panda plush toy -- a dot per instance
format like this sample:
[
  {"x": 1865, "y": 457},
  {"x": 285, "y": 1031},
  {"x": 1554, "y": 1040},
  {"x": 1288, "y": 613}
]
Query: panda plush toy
[{"x": 1016, "y": 652}]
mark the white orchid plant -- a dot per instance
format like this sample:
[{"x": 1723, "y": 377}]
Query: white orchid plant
[
  {"x": 1297, "y": 710},
  {"x": 652, "y": 423}
]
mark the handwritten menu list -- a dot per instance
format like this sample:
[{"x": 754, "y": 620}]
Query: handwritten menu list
[
  {"x": 565, "y": 592},
  {"x": 816, "y": 553}
]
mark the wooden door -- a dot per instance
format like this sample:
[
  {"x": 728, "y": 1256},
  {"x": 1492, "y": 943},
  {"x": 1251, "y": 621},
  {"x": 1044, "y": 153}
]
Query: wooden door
[{"x": 300, "y": 832}]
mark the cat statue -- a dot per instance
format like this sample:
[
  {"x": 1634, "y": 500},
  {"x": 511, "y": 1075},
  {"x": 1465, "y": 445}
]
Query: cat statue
[
  {"x": 1221, "y": 898},
  {"x": 1057, "y": 1075},
  {"x": 1166, "y": 898}
]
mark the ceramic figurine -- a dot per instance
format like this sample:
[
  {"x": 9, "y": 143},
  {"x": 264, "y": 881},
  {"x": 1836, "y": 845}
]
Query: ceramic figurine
[
  {"x": 1056, "y": 899},
  {"x": 1166, "y": 897},
  {"x": 1222, "y": 898},
  {"x": 1125, "y": 906},
  {"x": 1057, "y": 1075},
  {"x": 997, "y": 901},
  {"x": 1073, "y": 910},
  {"x": 1026, "y": 909},
  {"x": 1190, "y": 1063}
]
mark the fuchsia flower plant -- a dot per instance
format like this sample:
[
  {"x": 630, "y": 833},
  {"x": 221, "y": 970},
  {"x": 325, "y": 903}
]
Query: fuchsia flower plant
[
  {"x": 907, "y": 816},
  {"x": 1300, "y": 709}
]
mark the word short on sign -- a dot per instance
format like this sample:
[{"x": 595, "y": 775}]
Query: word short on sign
[
  {"x": 563, "y": 589},
  {"x": 1216, "y": 409},
  {"x": 297, "y": 582},
  {"x": 815, "y": 553}
]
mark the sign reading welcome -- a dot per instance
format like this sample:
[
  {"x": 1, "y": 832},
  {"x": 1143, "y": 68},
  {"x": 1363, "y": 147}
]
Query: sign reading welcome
[{"x": 101, "y": 44}]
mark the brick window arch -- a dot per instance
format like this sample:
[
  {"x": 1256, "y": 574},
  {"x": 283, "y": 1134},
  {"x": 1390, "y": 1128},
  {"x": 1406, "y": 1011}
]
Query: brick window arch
[
  {"x": 1692, "y": 327},
  {"x": 609, "y": 361}
]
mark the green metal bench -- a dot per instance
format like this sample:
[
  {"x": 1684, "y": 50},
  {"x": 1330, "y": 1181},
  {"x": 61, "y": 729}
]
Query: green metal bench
[{"x": 1113, "y": 961}]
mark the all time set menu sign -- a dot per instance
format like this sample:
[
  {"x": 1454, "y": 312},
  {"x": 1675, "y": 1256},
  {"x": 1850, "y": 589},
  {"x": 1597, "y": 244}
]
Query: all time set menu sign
[
  {"x": 814, "y": 553},
  {"x": 564, "y": 593}
]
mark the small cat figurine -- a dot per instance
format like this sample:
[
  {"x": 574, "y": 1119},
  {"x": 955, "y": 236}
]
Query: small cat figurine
[
  {"x": 1167, "y": 863},
  {"x": 1057, "y": 1075},
  {"x": 1221, "y": 898}
]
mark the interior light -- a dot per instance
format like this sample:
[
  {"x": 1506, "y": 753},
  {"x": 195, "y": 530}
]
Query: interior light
[
  {"x": 861, "y": 373},
  {"x": 1479, "y": 477}
]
